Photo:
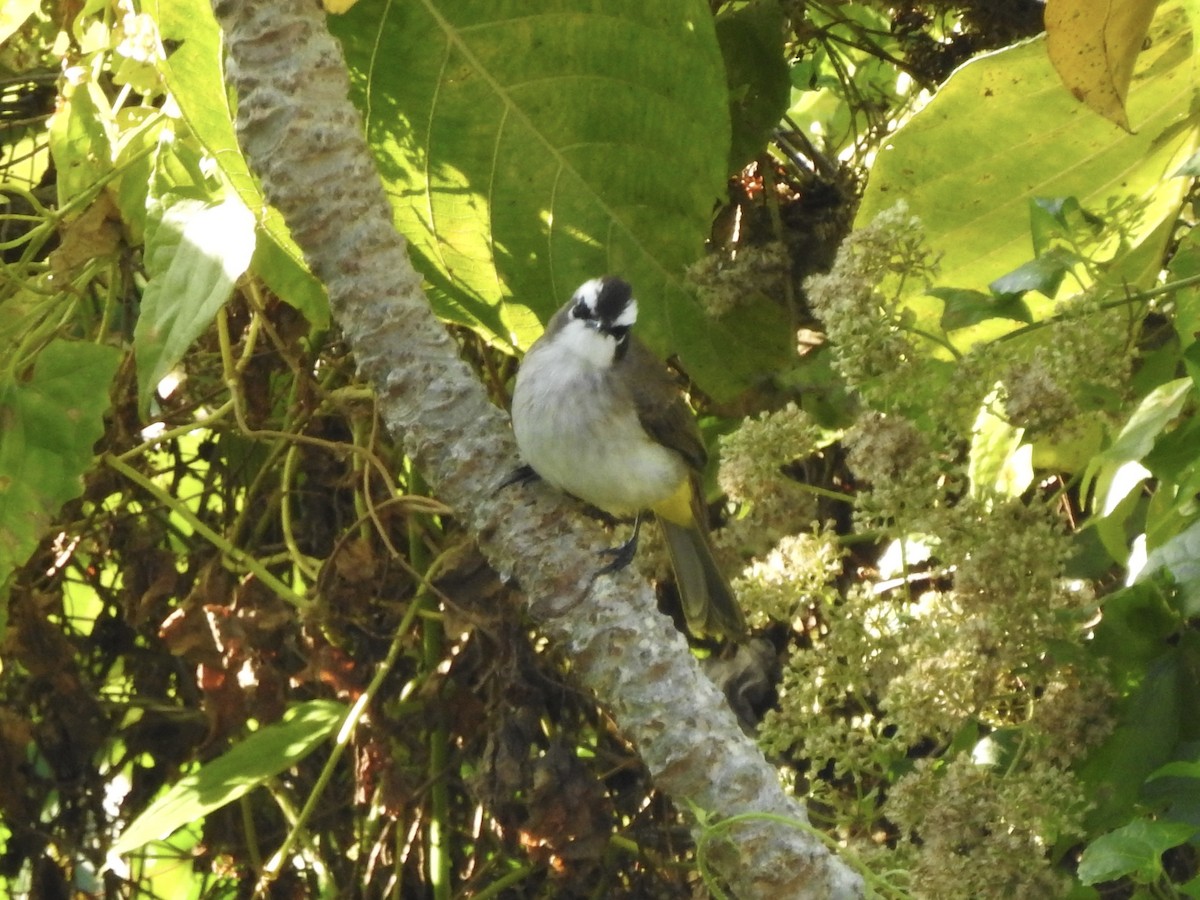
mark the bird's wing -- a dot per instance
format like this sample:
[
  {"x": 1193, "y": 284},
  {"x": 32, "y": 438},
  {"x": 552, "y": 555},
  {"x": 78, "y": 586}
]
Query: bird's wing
[{"x": 661, "y": 408}]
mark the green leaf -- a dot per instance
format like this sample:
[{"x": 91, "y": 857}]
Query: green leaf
[
  {"x": 1043, "y": 274},
  {"x": 1054, "y": 218},
  {"x": 48, "y": 424},
  {"x": 195, "y": 253},
  {"x": 751, "y": 39},
  {"x": 1190, "y": 168},
  {"x": 964, "y": 308},
  {"x": 80, "y": 142},
  {"x": 529, "y": 146},
  {"x": 1118, "y": 470},
  {"x": 193, "y": 74},
  {"x": 1144, "y": 739},
  {"x": 1000, "y": 463},
  {"x": 262, "y": 755},
  {"x": 1135, "y": 849},
  {"x": 1186, "y": 264},
  {"x": 13, "y": 15},
  {"x": 1136, "y": 624},
  {"x": 1181, "y": 769},
  {"x": 1002, "y": 131},
  {"x": 1180, "y": 556}
]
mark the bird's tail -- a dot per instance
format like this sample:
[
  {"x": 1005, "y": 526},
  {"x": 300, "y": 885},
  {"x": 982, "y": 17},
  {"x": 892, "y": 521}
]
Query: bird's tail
[{"x": 709, "y": 606}]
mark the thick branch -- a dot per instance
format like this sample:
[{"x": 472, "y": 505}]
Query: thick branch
[{"x": 305, "y": 141}]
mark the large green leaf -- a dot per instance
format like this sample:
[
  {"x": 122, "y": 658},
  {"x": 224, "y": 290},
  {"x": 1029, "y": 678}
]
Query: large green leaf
[
  {"x": 48, "y": 424},
  {"x": 1003, "y": 131},
  {"x": 262, "y": 755},
  {"x": 529, "y": 145}
]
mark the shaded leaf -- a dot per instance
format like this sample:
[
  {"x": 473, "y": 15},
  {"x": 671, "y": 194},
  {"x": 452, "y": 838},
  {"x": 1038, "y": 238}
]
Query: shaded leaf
[
  {"x": 1137, "y": 623},
  {"x": 1179, "y": 769},
  {"x": 1145, "y": 739},
  {"x": 1093, "y": 45},
  {"x": 1186, "y": 264},
  {"x": 1180, "y": 556},
  {"x": 1043, "y": 274},
  {"x": 751, "y": 39},
  {"x": 262, "y": 755},
  {"x": 1135, "y": 849},
  {"x": 1051, "y": 218},
  {"x": 48, "y": 424},
  {"x": 966, "y": 307}
]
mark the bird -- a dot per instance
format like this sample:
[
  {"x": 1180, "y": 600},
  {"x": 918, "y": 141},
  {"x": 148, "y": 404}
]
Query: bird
[{"x": 596, "y": 414}]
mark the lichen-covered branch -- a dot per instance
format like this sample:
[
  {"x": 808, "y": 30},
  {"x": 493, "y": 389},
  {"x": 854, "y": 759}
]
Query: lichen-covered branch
[{"x": 305, "y": 142}]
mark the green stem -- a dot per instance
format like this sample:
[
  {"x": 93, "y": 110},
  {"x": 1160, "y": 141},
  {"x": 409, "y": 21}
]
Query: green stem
[
  {"x": 433, "y": 647},
  {"x": 341, "y": 742},
  {"x": 232, "y": 552}
]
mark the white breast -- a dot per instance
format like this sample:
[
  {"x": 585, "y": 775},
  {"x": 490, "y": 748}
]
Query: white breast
[{"x": 581, "y": 434}]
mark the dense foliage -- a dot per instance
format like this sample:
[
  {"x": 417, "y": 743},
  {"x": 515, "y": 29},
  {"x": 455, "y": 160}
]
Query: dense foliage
[{"x": 940, "y": 321}]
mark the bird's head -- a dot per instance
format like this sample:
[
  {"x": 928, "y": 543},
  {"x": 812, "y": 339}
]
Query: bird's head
[{"x": 596, "y": 321}]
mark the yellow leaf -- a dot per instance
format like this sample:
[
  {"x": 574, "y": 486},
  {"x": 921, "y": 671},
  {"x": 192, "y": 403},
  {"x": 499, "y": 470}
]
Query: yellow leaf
[
  {"x": 337, "y": 7},
  {"x": 1093, "y": 45}
]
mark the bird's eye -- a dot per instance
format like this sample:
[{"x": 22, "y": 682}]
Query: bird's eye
[{"x": 582, "y": 310}]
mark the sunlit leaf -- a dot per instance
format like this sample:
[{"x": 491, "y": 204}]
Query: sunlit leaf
[
  {"x": 1000, "y": 461},
  {"x": 528, "y": 147},
  {"x": 13, "y": 15},
  {"x": 262, "y": 755},
  {"x": 1002, "y": 131},
  {"x": 80, "y": 141},
  {"x": 195, "y": 252},
  {"x": 194, "y": 76},
  {"x": 1093, "y": 45},
  {"x": 1118, "y": 470}
]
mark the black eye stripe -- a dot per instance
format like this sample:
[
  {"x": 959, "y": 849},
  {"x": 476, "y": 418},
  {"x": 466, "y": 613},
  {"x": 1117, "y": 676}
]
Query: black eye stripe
[
  {"x": 614, "y": 298},
  {"x": 618, "y": 331},
  {"x": 581, "y": 310}
]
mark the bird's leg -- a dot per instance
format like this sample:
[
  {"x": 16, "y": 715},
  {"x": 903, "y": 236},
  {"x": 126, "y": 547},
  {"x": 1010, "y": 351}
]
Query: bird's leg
[
  {"x": 522, "y": 474},
  {"x": 622, "y": 555}
]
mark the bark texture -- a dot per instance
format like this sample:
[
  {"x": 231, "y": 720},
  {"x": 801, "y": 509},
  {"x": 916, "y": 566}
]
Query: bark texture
[{"x": 305, "y": 141}]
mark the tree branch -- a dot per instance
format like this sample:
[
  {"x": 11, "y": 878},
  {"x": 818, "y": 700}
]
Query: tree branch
[{"x": 305, "y": 141}]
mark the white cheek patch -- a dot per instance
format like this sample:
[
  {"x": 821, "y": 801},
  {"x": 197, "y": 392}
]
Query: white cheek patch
[
  {"x": 628, "y": 315},
  {"x": 589, "y": 293},
  {"x": 581, "y": 341}
]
